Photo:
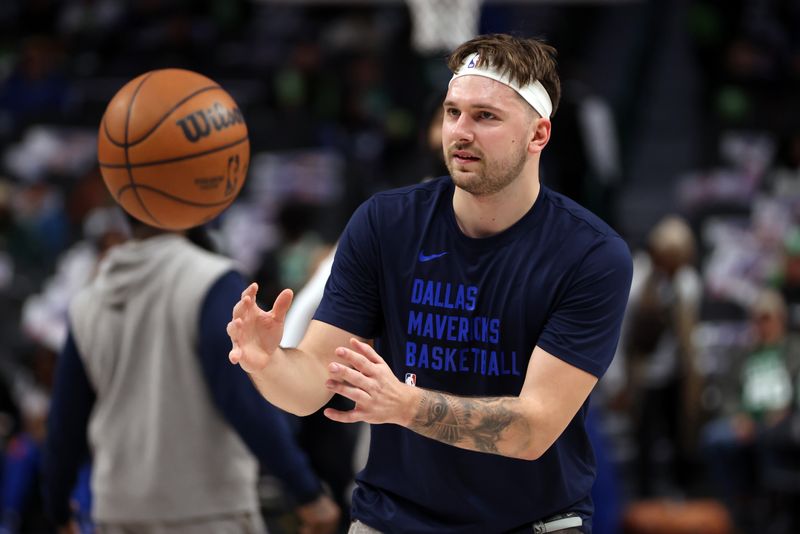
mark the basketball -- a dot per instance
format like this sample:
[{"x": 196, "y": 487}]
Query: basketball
[{"x": 173, "y": 148}]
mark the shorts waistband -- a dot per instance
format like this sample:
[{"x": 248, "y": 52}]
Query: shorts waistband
[{"x": 555, "y": 523}]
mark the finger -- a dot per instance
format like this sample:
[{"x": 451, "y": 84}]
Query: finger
[
  {"x": 281, "y": 305},
  {"x": 345, "y": 389},
  {"x": 243, "y": 306},
  {"x": 342, "y": 373},
  {"x": 250, "y": 291},
  {"x": 352, "y": 416},
  {"x": 357, "y": 360},
  {"x": 233, "y": 330},
  {"x": 235, "y": 355},
  {"x": 365, "y": 349}
]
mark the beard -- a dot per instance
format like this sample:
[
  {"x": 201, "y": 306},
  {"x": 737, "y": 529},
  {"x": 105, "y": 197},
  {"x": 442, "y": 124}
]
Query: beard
[{"x": 488, "y": 177}]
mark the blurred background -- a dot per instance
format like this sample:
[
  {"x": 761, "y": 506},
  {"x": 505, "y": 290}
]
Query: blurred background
[{"x": 679, "y": 125}]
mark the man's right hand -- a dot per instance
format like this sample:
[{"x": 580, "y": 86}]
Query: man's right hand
[
  {"x": 320, "y": 516},
  {"x": 256, "y": 333}
]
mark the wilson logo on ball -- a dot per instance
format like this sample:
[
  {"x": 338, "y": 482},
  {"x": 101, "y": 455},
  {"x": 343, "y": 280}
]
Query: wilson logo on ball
[{"x": 198, "y": 124}]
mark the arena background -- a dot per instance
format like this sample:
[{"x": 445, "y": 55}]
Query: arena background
[{"x": 686, "y": 108}]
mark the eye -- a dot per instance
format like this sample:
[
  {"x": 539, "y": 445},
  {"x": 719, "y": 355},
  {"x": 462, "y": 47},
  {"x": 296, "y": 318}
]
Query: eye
[
  {"x": 485, "y": 115},
  {"x": 452, "y": 112}
]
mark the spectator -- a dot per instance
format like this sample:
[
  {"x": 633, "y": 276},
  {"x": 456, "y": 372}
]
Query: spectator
[
  {"x": 761, "y": 400},
  {"x": 663, "y": 383}
]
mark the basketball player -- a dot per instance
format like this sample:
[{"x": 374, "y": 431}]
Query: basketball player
[
  {"x": 494, "y": 305},
  {"x": 175, "y": 434}
]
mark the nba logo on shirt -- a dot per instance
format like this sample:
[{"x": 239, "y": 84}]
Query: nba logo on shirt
[{"x": 411, "y": 379}]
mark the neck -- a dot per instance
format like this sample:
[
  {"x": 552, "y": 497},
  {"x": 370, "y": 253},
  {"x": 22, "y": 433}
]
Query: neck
[
  {"x": 487, "y": 215},
  {"x": 142, "y": 231}
]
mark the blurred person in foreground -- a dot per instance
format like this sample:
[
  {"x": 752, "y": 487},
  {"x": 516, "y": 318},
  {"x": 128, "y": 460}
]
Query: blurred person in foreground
[
  {"x": 663, "y": 381},
  {"x": 496, "y": 305},
  {"x": 175, "y": 434}
]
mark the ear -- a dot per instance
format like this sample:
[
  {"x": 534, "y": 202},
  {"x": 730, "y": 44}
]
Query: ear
[{"x": 540, "y": 135}]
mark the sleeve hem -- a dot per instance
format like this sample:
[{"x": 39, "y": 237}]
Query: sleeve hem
[
  {"x": 344, "y": 324},
  {"x": 573, "y": 358}
]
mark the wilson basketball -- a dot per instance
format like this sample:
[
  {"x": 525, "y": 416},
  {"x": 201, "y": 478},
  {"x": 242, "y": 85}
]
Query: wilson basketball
[{"x": 173, "y": 148}]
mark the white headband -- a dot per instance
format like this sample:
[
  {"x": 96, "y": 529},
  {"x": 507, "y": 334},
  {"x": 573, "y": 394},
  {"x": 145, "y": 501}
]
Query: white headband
[{"x": 534, "y": 93}]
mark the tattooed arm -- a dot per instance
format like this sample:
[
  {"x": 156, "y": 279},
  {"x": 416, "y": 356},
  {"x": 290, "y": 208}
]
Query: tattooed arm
[
  {"x": 518, "y": 427},
  {"x": 478, "y": 423}
]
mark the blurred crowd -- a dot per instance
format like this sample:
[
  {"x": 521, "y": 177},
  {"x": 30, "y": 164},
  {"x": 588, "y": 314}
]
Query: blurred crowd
[{"x": 702, "y": 403}]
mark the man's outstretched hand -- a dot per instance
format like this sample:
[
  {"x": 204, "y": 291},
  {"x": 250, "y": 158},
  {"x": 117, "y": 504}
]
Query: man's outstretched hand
[{"x": 256, "y": 333}]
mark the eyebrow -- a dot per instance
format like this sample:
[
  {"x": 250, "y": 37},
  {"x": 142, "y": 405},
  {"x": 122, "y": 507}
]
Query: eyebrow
[{"x": 479, "y": 105}]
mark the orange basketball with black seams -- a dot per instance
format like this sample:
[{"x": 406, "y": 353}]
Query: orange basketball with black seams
[{"x": 173, "y": 148}]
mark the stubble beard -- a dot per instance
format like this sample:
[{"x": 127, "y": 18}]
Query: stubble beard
[{"x": 490, "y": 178}]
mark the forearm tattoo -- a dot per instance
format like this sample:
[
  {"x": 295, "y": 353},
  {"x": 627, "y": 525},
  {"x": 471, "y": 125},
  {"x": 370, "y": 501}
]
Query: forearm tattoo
[{"x": 472, "y": 423}]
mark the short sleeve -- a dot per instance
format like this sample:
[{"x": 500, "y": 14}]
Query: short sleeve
[
  {"x": 585, "y": 326},
  {"x": 351, "y": 300}
]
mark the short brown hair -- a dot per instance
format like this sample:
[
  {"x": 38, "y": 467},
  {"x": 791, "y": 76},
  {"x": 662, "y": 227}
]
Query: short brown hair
[{"x": 522, "y": 60}]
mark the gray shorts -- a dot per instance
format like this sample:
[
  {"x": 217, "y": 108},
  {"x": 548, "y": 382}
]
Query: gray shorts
[{"x": 235, "y": 523}]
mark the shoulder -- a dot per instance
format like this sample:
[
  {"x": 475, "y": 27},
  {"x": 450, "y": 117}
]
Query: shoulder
[
  {"x": 576, "y": 216},
  {"x": 402, "y": 206},
  {"x": 424, "y": 189},
  {"x": 205, "y": 258},
  {"x": 194, "y": 268},
  {"x": 688, "y": 284},
  {"x": 414, "y": 195},
  {"x": 82, "y": 300},
  {"x": 582, "y": 232}
]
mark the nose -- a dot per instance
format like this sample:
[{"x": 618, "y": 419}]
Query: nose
[{"x": 461, "y": 129}]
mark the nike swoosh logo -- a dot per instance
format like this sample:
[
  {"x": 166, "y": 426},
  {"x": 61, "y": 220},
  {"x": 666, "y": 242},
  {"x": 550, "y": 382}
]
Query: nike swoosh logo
[{"x": 424, "y": 258}]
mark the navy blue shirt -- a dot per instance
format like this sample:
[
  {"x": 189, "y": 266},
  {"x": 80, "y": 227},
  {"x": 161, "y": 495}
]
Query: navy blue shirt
[
  {"x": 264, "y": 428},
  {"x": 463, "y": 315}
]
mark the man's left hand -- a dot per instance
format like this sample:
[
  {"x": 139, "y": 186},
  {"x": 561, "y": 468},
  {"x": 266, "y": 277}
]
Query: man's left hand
[{"x": 369, "y": 382}]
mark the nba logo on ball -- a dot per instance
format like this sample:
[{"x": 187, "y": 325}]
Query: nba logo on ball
[{"x": 411, "y": 379}]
